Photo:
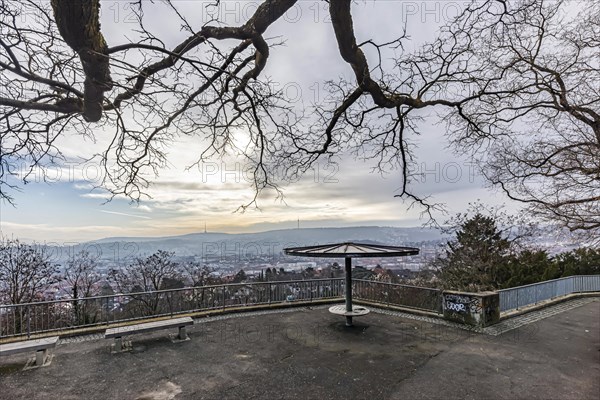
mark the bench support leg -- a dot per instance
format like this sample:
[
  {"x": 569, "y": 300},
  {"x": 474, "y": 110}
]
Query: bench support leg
[
  {"x": 118, "y": 346},
  {"x": 182, "y": 333},
  {"x": 40, "y": 357}
]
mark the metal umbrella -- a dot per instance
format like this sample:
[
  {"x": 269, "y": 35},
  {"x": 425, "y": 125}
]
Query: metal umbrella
[{"x": 349, "y": 250}]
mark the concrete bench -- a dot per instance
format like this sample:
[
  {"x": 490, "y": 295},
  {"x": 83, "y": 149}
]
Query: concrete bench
[
  {"x": 120, "y": 332},
  {"x": 40, "y": 346}
]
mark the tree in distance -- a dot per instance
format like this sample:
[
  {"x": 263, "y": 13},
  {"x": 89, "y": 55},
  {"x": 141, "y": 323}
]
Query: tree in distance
[
  {"x": 488, "y": 253},
  {"x": 26, "y": 271}
]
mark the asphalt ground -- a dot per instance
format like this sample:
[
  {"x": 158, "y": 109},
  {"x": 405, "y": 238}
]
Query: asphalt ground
[{"x": 310, "y": 354}]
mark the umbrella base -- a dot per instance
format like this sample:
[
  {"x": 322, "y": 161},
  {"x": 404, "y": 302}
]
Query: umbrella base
[{"x": 357, "y": 311}]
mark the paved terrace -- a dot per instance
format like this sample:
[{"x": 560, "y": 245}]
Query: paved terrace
[{"x": 308, "y": 353}]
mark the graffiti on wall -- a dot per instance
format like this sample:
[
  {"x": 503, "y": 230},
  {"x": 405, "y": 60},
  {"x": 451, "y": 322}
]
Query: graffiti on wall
[{"x": 461, "y": 303}]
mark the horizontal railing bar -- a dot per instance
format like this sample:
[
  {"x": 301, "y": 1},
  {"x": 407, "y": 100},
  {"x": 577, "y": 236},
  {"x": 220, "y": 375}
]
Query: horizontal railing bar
[
  {"x": 548, "y": 281},
  {"x": 396, "y": 285},
  {"x": 525, "y": 295},
  {"x": 171, "y": 291}
]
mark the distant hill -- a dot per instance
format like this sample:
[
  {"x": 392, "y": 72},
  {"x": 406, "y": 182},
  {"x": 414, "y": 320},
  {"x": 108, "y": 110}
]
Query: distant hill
[{"x": 272, "y": 241}]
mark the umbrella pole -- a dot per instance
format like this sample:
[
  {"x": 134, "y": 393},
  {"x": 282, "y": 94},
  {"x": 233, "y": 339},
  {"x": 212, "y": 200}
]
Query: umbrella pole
[{"x": 348, "y": 290}]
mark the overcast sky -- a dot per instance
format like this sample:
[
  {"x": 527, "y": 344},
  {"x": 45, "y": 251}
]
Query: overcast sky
[{"x": 343, "y": 193}]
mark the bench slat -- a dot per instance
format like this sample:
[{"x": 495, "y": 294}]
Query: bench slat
[
  {"x": 28, "y": 345},
  {"x": 147, "y": 327}
]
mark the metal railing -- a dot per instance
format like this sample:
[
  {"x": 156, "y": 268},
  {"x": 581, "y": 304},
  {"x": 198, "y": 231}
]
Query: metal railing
[
  {"x": 421, "y": 298},
  {"x": 58, "y": 315},
  {"x": 521, "y": 296}
]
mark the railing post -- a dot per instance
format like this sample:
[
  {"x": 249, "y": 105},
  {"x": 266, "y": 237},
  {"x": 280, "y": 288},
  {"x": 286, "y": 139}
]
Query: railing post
[
  {"x": 348, "y": 265},
  {"x": 269, "y": 292},
  {"x": 387, "y": 295},
  {"x": 223, "y": 297},
  {"x": 311, "y": 291},
  {"x": 28, "y": 322}
]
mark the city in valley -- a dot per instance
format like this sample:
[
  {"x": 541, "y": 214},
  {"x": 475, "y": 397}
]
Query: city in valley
[{"x": 259, "y": 257}]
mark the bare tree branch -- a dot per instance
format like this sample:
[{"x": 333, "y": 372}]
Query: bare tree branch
[{"x": 515, "y": 82}]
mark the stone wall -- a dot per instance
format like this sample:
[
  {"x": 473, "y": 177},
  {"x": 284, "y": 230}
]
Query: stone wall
[{"x": 476, "y": 309}]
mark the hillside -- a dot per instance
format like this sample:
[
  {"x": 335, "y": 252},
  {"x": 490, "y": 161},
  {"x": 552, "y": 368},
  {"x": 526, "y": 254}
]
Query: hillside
[{"x": 265, "y": 242}]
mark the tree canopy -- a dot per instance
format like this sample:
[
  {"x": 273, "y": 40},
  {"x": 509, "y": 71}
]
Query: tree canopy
[
  {"x": 486, "y": 253},
  {"x": 26, "y": 271},
  {"x": 516, "y": 83},
  {"x": 474, "y": 259}
]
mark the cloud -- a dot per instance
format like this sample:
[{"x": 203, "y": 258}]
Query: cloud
[
  {"x": 144, "y": 208},
  {"x": 124, "y": 214},
  {"x": 52, "y": 233},
  {"x": 83, "y": 186}
]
